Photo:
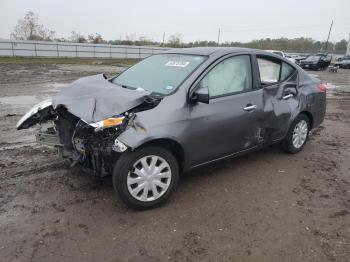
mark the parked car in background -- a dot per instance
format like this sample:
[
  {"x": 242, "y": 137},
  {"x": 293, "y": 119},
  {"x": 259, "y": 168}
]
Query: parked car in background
[
  {"x": 341, "y": 57},
  {"x": 344, "y": 63},
  {"x": 199, "y": 106},
  {"x": 298, "y": 58},
  {"x": 282, "y": 54},
  {"x": 315, "y": 62}
]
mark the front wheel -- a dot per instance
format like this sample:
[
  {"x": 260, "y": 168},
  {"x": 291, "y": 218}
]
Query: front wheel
[
  {"x": 145, "y": 178},
  {"x": 297, "y": 135}
]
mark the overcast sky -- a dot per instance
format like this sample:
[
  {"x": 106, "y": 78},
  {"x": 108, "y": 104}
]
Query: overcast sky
[{"x": 241, "y": 20}]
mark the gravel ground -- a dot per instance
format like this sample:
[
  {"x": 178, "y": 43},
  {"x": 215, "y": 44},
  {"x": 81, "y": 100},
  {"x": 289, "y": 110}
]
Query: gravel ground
[{"x": 265, "y": 206}]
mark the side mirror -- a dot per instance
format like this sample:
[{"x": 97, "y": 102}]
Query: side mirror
[{"x": 201, "y": 95}]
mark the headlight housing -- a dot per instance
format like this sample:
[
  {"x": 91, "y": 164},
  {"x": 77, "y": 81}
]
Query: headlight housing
[{"x": 108, "y": 122}]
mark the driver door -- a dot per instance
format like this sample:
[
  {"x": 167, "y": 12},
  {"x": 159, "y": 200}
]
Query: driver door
[{"x": 231, "y": 121}]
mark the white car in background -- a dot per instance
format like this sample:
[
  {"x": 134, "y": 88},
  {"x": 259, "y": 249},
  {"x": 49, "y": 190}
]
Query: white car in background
[{"x": 280, "y": 53}]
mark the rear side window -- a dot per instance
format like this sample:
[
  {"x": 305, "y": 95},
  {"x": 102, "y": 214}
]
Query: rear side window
[
  {"x": 272, "y": 71},
  {"x": 269, "y": 71},
  {"x": 287, "y": 71}
]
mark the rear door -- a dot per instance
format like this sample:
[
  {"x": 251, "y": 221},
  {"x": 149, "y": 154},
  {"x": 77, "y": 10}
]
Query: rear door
[{"x": 279, "y": 82}]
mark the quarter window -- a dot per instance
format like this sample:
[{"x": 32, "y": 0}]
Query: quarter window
[{"x": 230, "y": 76}]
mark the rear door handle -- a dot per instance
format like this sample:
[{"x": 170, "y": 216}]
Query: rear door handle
[
  {"x": 250, "y": 107},
  {"x": 287, "y": 96}
]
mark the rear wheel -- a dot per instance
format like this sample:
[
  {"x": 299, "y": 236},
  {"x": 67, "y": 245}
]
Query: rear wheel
[
  {"x": 297, "y": 135},
  {"x": 145, "y": 178}
]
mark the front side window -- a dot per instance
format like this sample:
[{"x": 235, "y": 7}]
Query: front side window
[
  {"x": 160, "y": 74},
  {"x": 230, "y": 76}
]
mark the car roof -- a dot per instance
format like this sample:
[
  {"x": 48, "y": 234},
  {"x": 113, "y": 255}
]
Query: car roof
[
  {"x": 274, "y": 51},
  {"x": 221, "y": 51},
  {"x": 207, "y": 51}
]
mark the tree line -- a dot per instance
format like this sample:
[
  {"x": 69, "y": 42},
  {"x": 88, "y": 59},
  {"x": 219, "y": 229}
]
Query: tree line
[{"x": 29, "y": 28}]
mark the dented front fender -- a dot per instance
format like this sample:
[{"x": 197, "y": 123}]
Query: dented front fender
[{"x": 37, "y": 114}]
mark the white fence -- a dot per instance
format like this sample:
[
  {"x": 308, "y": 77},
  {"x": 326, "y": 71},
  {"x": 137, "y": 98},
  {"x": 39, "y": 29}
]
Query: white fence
[{"x": 65, "y": 49}]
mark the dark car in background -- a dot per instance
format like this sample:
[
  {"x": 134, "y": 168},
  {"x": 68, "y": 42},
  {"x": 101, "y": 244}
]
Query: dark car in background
[
  {"x": 176, "y": 111},
  {"x": 344, "y": 63},
  {"x": 315, "y": 62},
  {"x": 299, "y": 58}
]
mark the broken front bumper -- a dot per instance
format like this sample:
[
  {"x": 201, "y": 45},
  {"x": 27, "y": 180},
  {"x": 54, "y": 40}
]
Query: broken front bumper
[
  {"x": 48, "y": 137},
  {"x": 96, "y": 154}
]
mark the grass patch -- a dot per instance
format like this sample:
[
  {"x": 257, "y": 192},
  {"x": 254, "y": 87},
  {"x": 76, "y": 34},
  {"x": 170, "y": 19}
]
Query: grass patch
[{"x": 82, "y": 61}]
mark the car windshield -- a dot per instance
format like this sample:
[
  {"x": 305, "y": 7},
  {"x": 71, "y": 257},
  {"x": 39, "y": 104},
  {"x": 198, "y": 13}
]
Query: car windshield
[
  {"x": 313, "y": 58},
  {"x": 161, "y": 73}
]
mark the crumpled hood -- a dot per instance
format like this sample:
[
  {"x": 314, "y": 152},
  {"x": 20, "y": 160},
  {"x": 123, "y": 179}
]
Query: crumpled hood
[{"x": 94, "y": 98}]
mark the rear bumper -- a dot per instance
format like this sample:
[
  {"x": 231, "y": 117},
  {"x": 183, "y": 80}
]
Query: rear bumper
[{"x": 319, "y": 110}]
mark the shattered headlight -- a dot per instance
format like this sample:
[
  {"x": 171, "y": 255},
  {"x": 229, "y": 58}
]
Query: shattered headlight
[{"x": 108, "y": 122}]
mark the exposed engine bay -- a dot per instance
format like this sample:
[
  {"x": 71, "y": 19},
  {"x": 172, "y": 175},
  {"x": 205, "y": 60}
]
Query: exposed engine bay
[{"x": 91, "y": 144}]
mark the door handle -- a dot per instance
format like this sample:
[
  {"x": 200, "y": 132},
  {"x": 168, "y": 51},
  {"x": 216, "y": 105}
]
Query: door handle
[
  {"x": 249, "y": 108},
  {"x": 287, "y": 96}
]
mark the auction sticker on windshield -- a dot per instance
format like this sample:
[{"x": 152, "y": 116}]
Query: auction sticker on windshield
[{"x": 177, "y": 63}]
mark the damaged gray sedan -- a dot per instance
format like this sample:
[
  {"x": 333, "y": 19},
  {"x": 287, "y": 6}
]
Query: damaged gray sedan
[{"x": 176, "y": 111}]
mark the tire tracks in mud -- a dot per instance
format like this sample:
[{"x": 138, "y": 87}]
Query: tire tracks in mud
[
  {"x": 324, "y": 192},
  {"x": 33, "y": 171},
  {"x": 21, "y": 160}
]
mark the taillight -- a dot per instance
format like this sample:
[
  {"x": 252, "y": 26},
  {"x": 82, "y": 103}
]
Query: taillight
[{"x": 322, "y": 87}]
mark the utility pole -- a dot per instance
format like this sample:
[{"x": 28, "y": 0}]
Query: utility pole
[
  {"x": 219, "y": 37},
  {"x": 329, "y": 33},
  {"x": 163, "y": 38}
]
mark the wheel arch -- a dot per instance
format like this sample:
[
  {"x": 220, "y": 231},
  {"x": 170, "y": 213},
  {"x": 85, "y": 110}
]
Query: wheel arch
[
  {"x": 170, "y": 144},
  {"x": 309, "y": 115}
]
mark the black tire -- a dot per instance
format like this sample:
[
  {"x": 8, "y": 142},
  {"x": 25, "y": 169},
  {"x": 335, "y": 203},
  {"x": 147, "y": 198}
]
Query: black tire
[
  {"x": 125, "y": 164},
  {"x": 287, "y": 143}
]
